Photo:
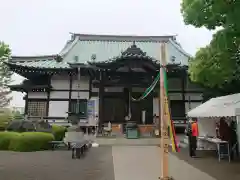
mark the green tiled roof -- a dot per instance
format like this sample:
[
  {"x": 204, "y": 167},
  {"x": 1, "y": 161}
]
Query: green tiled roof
[
  {"x": 103, "y": 48},
  {"x": 52, "y": 64},
  {"x": 131, "y": 52}
]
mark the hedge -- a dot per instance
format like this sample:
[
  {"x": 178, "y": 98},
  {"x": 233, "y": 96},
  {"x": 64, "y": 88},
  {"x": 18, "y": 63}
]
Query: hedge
[
  {"x": 31, "y": 141},
  {"x": 59, "y": 132},
  {"x": 25, "y": 142},
  {"x": 6, "y": 138}
]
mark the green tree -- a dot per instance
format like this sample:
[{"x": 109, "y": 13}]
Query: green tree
[
  {"x": 5, "y": 75},
  {"x": 218, "y": 64}
]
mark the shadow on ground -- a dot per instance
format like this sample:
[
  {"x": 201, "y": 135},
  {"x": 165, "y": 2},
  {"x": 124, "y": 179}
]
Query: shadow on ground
[
  {"x": 208, "y": 163},
  {"x": 50, "y": 165}
]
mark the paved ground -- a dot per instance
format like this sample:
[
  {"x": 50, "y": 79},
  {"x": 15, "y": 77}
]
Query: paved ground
[
  {"x": 208, "y": 163},
  {"x": 113, "y": 163},
  {"x": 57, "y": 165},
  {"x": 121, "y": 141},
  {"x": 143, "y": 163}
]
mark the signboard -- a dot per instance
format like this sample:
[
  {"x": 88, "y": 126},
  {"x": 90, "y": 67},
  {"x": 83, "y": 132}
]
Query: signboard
[{"x": 91, "y": 108}]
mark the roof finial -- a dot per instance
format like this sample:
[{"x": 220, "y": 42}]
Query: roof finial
[
  {"x": 58, "y": 58},
  {"x": 134, "y": 43}
]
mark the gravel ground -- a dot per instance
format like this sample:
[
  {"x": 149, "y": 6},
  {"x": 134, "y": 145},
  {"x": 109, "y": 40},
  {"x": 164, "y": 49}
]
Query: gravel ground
[{"x": 57, "y": 165}]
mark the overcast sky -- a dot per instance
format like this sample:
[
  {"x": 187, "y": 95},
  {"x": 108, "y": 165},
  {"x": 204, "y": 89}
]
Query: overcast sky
[{"x": 38, "y": 27}]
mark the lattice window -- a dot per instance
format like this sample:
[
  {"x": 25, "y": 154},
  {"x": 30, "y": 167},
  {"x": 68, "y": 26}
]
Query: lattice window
[
  {"x": 79, "y": 108},
  {"x": 37, "y": 108}
]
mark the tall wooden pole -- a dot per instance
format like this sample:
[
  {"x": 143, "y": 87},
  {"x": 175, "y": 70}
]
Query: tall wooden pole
[{"x": 164, "y": 142}]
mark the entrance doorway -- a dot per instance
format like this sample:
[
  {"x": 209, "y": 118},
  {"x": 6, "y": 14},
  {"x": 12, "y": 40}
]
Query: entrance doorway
[
  {"x": 114, "y": 110},
  {"x": 139, "y": 106}
]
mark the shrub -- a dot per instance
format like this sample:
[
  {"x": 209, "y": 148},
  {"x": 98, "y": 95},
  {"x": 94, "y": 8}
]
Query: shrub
[
  {"x": 21, "y": 126},
  {"x": 6, "y": 138},
  {"x": 59, "y": 132},
  {"x": 31, "y": 141}
]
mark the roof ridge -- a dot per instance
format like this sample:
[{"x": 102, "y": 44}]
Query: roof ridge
[
  {"x": 69, "y": 45},
  {"x": 179, "y": 47},
  {"x": 121, "y": 35},
  {"x": 107, "y": 37}
]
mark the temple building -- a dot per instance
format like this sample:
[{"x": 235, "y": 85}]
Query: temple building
[{"x": 101, "y": 75}]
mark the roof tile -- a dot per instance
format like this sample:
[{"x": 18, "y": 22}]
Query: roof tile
[{"x": 53, "y": 64}]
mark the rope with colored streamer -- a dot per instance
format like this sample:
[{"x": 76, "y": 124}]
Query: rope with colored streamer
[{"x": 148, "y": 90}]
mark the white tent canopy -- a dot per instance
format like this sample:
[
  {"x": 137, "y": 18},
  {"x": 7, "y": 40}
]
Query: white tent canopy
[{"x": 223, "y": 106}]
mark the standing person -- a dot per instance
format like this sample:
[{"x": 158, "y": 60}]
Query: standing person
[
  {"x": 188, "y": 132},
  {"x": 224, "y": 130},
  {"x": 195, "y": 134},
  {"x": 192, "y": 133}
]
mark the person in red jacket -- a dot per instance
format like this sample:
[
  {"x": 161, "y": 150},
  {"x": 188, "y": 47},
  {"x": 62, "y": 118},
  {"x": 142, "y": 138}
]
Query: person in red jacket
[{"x": 192, "y": 133}]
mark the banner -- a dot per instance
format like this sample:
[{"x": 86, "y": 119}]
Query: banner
[
  {"x": 172, "y": 133},
  {"x": 91, "y": 108}
]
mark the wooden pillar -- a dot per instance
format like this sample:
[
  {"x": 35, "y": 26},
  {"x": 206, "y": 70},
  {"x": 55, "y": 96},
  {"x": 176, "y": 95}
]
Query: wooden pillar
[
  {"x": 101, "y": 96},
  {"x": 126, "y": 100},
  {"x": 26, "y": 104},
  {"x": 130, "y": 100},
  {"x": 70, "y": 92},
  {"x": 48, "y": 95},
  {"x": 90, "y": 87},
  {"x": 130, "y": 94},
  {"x": 183, "y": 82},
  {"x": 164, "y": 142}
]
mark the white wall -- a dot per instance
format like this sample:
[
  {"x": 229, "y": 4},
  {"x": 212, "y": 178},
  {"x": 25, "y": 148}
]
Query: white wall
[
  {"x": 37, "y": 95},
  {"x": 95, "y": 89},
  {"x": 63, "y": 83},
  {"x": 60, "y": 82},
  {"x": 84, "y": 83},
  {"x": 58, "y": 108},
  {"x": 83, "y": 95},
  {"x": 59, "y": 95}
]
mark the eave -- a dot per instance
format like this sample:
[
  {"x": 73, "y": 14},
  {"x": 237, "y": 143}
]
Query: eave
[
  {"x": 28, "y": 69},
  {"x": 28, "y": 85}
]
